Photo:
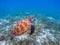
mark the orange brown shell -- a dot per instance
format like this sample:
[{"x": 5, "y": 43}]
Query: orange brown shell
[{"x": 22, "y": 27}]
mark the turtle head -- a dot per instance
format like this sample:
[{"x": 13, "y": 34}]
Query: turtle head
[{"x": 31, "y": 17}]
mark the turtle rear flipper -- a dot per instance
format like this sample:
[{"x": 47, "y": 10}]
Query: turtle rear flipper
[
  {"x": 32, "y": 29},
  {"x": 2, "y": 38}
]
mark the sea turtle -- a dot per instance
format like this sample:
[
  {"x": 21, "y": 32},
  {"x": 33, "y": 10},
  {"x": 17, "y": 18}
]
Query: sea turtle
[{"x": 22, "y": 27}]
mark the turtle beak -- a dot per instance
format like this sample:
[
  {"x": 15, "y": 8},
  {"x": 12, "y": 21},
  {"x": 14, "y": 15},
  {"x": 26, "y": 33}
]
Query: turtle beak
[{"x": 32, "y": 29}]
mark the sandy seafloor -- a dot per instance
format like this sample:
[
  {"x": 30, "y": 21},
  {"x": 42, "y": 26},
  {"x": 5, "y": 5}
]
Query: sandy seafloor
[{"x": 47, "y": 30}]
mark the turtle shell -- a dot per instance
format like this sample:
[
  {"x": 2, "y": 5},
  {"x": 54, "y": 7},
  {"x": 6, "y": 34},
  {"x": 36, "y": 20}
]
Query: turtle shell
[{"x": 21, "y": 27}]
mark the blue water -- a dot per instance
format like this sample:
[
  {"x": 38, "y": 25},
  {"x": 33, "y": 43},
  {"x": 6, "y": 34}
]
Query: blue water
[{"x": 44, "y": 7}]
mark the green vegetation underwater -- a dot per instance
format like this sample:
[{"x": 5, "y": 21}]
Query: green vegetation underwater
[{"x": 46, "y": 19}]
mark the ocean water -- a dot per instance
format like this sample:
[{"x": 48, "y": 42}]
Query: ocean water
[{"x": 47, "y": 21}]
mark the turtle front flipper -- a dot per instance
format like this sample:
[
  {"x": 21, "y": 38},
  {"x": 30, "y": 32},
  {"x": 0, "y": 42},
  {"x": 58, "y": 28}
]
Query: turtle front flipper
[{"x": 32, "y": 29}]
